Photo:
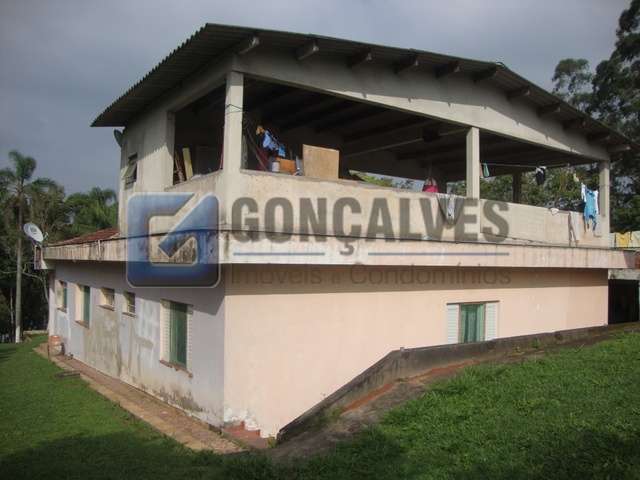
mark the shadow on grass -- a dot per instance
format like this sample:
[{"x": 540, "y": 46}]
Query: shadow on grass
[
  {"x": 585, "y": 454},
  {"x": 7, "y": 350}
]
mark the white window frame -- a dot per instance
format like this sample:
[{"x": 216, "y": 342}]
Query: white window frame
[
  {"x": 165, "y": 340},
  {"x": 62, "y": 295},
  {"x": 491, "y": 318},
  {"x": 108, "y": 298},
  {"x": 128, "y": 308}
]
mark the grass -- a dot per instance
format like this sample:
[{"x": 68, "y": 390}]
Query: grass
[{"x": 572, "y": 414}]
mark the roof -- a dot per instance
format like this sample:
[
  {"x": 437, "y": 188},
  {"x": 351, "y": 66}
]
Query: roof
[
  {"x": 213, "y": 40},
  {"x": 105, "y": 234}
]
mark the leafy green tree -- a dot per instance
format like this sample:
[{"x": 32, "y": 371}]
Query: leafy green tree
[
  {"x": 572, "y": 82},
  {"x": 613, "y": 97},
  {"x": 91, "y": 211}
]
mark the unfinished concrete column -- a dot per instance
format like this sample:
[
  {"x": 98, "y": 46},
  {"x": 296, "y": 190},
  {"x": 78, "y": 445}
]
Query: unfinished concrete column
[
  {"x": 473, "y": 163},
  {"x": 516, "y": 187},
  {"x": 232, "y": 148},
  {"x": 604, "y": 198},
  {"x": 471, "y": 225}
]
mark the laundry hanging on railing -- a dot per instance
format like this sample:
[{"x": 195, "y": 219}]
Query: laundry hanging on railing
[
  {"x": 541, "y": 175},
  {"x": 590, "y": 199}
]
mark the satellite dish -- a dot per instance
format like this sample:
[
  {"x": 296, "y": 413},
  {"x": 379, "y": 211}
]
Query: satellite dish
[
  {"x": 32, "y": 231},
  {"x": 117, "y": 134}
]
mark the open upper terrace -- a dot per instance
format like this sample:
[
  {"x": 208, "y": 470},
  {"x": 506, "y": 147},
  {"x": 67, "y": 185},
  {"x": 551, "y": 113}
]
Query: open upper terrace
[{"x": 194, "y": 124}]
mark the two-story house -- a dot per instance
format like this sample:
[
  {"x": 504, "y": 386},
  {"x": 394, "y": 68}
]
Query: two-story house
[{"x": 323, "y": 273}]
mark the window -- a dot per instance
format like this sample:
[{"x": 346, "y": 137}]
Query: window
[
  {"x": 131, "y": 172},
  {"x": 107, "y": 298},
  {"x": 175, "y": 333},
  {"x": 129, "y": 303},
  {"x": 471, "y": 322},
  {"x": 61, "y": 295},
  {"x": 84, "y": 313}
]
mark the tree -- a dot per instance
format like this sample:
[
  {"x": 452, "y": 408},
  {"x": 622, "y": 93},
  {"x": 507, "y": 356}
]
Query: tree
[
  {"x": 17, "y": 187},
  {"x": 572, "y": 82},
  {"x": 95, "y": 210},
  {"x": 613, "y": 97}
]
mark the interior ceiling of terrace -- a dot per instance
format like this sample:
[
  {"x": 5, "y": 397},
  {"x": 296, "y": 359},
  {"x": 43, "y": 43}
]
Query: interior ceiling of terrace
[{"x": 359, "y": 129}]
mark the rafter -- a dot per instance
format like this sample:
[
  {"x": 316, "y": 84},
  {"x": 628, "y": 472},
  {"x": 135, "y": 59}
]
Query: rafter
[
  {"x": 518, "y": 93},
  {"x": 305, "y": 51},
  {"x": 360, "y": 59},
  {"x": 247, "y": 45},
  {"x": 407, "y": 64},
  {"x": 487, "y": 74},
  {"x": 450, "y": 68},
  {"x": 549, "y": 109}
]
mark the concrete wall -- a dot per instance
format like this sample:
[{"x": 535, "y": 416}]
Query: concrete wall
[
  {"x": 128, "y": 347},
  {"x": 524, "y": 223},
  {"x": 294, "y": 335}
]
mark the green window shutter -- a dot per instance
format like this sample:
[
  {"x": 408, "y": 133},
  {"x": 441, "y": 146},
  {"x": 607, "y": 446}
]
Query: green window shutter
[
  {"x": 178, "y": 334},
  {"x": 453, "y": 313},
  {"x": 64, "y": 296},
  {"x": 86, "y": 304}
]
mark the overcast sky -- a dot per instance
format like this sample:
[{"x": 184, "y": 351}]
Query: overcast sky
[{"x": 62, "y": 62}]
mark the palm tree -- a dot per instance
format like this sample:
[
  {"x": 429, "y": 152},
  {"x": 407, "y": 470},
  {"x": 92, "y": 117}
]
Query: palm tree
[
  {"x": 17, "y": 186},
  {"x": 94, "y": 210}
]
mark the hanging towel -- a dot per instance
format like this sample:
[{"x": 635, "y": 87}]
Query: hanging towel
[
  {"x": 635, "y": 239},
  {"x": 590, "y": 199},
  {"x": 450, "y": 206},
  {"x": 485, "y": 170}
]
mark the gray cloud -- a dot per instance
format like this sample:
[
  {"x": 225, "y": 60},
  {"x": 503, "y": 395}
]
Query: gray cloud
[{"x": 64, "y": 61}]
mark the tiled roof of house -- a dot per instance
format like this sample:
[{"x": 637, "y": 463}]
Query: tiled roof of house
[{"x": 105, "y": 234}]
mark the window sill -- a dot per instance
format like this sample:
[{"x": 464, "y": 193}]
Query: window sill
[
  {"x": 129, "y": 314},
  {"x": 61, "y": 309},
  {"x": 82, "y": 323},
  {"x": 176, "y": 367},
  {"x": 107, "y": 307}
]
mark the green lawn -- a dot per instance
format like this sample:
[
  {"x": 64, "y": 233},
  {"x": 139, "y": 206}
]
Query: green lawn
[{"x": 573, "y": 414}]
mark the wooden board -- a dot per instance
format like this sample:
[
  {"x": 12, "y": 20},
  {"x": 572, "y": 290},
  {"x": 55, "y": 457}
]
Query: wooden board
[{"x": 320, "y": 162}]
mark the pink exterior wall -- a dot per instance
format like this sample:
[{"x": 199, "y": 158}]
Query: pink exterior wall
[{"x": 294, "y": 335}]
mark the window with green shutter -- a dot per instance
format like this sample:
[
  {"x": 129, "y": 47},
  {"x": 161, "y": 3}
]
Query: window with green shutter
[
  {"x": 471, "y": 323},
  {"x": 178, "y": 333},
  {"x": 86, "y": 304}
]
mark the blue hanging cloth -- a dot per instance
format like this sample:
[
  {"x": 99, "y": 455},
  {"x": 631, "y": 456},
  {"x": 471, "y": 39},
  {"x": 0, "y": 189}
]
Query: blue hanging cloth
[{"x": 590, "y": 198}]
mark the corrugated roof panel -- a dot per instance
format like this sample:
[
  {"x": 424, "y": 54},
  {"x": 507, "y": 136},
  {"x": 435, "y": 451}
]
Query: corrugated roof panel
[{"x": 212, "y": 40}]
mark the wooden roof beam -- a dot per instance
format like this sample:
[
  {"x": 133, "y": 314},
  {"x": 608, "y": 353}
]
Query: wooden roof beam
[
  {"x": 447, "y": 69},
  {"x": 387, "y": 128},
  {"x": 518, "y": 92},
  {"x": 623, "y": 147},
  {"x": 249, "y": 44},
  {"x": 307, "y": 50},
  {"x": 360, "y": 59},
  {"x": 407, "y": 64},
  {"x": 549, "y": 109},
  {"x": 487, "y": 74},
  {"x": 575, "y": 124},
  {"x": 367, "y": 112},
  {"x": 600, "y": 137}
]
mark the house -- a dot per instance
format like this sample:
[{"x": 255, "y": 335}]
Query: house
[{"x": 322, "y": 274}]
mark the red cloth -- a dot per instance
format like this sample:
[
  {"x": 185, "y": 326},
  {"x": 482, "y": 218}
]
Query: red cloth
[{"x": 430, "y": 188}]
